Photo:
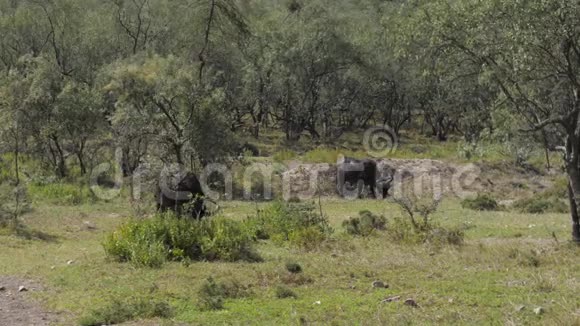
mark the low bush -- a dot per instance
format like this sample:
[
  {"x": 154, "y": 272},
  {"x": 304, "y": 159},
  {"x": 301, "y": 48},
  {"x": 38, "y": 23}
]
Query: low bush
[
  {"x": 417, "y": 226},
  {"x": 524, "y": 258},
  {"x": 553, "y": 200},
  {"x": 61, "y": 193},
  {"x": 284, "y": 155},
  {"x": 118, "y": 311},
  {"x": 364, "y": 225},
  {"x": 212, "y": 294},
  {"x": 299, "y": 223},
  {"x": 540, "y": 205},
  {"x": 293, "y": 268},
  {"x": 152, "y": 242},
  {"x": 14, "y": 201},
  {"x": 483, "y": 202},
  {"x": 283, "y": 292},
  {"x": 308, "y": 239}
]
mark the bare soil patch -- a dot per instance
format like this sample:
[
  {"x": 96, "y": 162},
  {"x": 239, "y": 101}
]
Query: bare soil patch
[{"x": 18, "y": 308}]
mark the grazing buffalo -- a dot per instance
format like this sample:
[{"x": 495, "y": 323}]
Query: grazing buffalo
[
  {"x": 353, "y": 175},
  {"x": 176, "y": 191}
]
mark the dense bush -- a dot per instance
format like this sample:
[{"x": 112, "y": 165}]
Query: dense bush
[
  {"x": 483, "y": 202},
  {"x": 118, "y": 311},
  {"x": 165, "y": 237},
  {"x": 364, "y": 225},
  {"x": 299, "y": 223}
]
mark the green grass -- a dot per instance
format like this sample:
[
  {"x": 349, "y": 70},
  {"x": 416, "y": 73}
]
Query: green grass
[
  {"x": 411, "y": 145},
  {"x": 486, "y": 278}
]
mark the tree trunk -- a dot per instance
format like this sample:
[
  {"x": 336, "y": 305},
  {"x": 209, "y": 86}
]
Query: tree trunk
[
  {"x": 574, "y": 213},
  {"x": 546, "y": 149},
  {"x": 572, "y": 152},
  {"x": 17, "y": 154},
  {"x": 82, "y": 163}
]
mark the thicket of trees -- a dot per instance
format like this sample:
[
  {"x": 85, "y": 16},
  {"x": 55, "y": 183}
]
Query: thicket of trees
[{"x": 181, "y": 79}]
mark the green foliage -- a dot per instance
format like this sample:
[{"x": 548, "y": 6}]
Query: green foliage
[
  {"x": 293, "y": 268},
  {"x": 364, "y": 225},
  {"x": 283, "y": 292},
  {"x": 299, "y": 223},
  {"x": 119, "y": 310},
  {"x": 14, "y": 201},
  {"x": 212, "y": 294},
  {"x": 553, "y": 200},
  {"x": 541, "y": 205},
  {"x": 330, "y": 155},
  {"x": 152, "y": 242},
  {"x": 417, "y": 226},
  {"x": 61, "y": 193},
  {"x": 483, "y": 202},
  {"x": 309, "y": 238},
  {"x": 284, "y": 155}
]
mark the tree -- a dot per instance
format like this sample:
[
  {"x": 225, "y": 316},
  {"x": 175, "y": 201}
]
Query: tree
[
  {"x": 163, "y": 98},
  {"x": 529, "y": 50}
]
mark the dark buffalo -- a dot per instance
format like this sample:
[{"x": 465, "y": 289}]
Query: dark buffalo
[
  {"x": 353, "y": 174},
  {"x": 179, "y": 191}
]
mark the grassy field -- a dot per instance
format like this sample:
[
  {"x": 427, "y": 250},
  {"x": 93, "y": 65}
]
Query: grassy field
[{"x": 509, "y": 260}]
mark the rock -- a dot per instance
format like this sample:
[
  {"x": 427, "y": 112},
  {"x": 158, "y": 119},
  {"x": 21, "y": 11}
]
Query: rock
[
  {"x": 317, "y": 303},
  {"x": 380, "y": 285},
  {"x": 539, "y": 311},
  {"x": 411, "y": 303},
  {"x": 22, "y": 289},
  {"x": 392, "y": 299},
  {"x": 450, "y": 300},
  {"x": 70, "y": 262},
  {"x": 520, "y": 308},
  {"x": 2, "y": 288},
  {"x": 89, "y": 226}
]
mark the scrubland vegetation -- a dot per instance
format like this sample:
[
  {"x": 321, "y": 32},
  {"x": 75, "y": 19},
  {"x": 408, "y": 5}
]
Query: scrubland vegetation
[{"x": 98, "y": 97}]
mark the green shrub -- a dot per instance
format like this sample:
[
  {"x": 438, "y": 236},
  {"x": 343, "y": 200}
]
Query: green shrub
[
  {"x": 444, "y": 236},
  {"x": 152, "y": 242},
  {"x": 483, "y": 202},
  {"x": 283, "y": 292},
  {"x": 418, "y": 226},
  {"x": 309, "y": 238},
  {"x": 293, "y": 268},
  {"x": 212, "y": 294},
  {"x": 365, "y": 224},
  {"x": 525, "y": 259},
  {"x": 118, "y": 311},
  {"x": 14, "y": 201},
  {"x": 280, "y": 220},
  {"x": 61, "y": 193},
  {"x": 539, "y": 205},
  {"x": 284, "y": 155}
]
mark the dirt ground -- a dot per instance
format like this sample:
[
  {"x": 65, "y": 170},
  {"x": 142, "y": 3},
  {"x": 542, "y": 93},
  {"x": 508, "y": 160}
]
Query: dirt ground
[
  {"x": 507, "y": 181},
  {"x": 18, "y": 308}
]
